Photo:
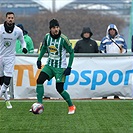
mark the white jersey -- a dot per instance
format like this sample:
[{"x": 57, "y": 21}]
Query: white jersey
[{"x": 8, "y": 41}]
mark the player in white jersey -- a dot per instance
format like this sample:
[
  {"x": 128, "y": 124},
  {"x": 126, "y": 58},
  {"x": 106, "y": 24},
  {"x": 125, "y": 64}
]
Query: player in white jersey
[{"x": 9, "y": 33}]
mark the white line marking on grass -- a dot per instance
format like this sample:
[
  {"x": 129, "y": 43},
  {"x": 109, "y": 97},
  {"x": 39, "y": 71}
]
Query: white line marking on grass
[{"x": 21, "y": 100}]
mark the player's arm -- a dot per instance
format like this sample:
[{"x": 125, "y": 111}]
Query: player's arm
[
  {"x": 43, "y": 50},
  {"x": 70, "y": 50},
  {"x": 22, "y": 42},
  {"x": 21, "y": 38},
  {"x": 71, "y": 57}
]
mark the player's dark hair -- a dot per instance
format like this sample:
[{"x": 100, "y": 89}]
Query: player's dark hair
[
  {"x": 8, "y": 13},
  {"x": 53, "y": 23}
]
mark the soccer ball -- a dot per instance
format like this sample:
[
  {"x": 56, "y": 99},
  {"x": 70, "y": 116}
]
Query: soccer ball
[{"x": 37, "y": 108}]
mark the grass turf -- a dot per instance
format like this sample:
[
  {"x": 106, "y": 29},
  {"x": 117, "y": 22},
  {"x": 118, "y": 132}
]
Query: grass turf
[{"x": 92, "y": 116}]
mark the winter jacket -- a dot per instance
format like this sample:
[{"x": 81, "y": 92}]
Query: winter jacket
[
  {"x": 86, "y": 45},
  {"x": 114, "y": 44}
]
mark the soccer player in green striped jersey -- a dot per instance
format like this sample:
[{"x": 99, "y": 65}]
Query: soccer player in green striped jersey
[{"x": 57, "y": 45}]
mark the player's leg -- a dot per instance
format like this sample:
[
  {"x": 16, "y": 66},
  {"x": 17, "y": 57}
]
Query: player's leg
[
  {"x": 40, "y": 88},
  {"x": 4, "y": 82},
  {"x": 66, "y": 97},
  {"x": 60, "y": 79},
  {"x": 44, "y": 75},
  {"x": 1, "y": 75},
  {"x": 63, "y": 93},
  {"x": 3, "y": 91},
  {"x": 1, "y": 82},
  {"x": 8, "y": 69}
]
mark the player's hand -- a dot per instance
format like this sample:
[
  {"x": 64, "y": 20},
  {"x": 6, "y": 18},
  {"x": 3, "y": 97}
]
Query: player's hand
[
  {"x": 39, "y": 64},
  {"x": 67, "y": 71},
  {"x": 24, "y": 50}
]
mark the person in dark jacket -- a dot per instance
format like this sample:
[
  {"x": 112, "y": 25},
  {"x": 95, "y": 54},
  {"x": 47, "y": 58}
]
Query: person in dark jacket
[{"x": 86, "y": 44}]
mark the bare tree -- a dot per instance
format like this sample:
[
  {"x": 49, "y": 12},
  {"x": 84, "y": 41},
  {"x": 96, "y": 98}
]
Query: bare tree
[{"x": 71, "y": 23}]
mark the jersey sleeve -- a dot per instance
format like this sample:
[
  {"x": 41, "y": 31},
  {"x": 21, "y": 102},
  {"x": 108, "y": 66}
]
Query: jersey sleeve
[
  {"x": 70, "y": 50},
  {"x": 21, "y": 38},
  {"x": 43, "y": 49}
]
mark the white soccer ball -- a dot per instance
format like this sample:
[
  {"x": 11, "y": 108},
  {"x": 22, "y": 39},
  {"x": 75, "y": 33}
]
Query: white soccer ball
[{"x": 37, "y": 108}]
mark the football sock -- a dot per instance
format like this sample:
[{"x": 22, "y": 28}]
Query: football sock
[
  {"x": 40, "y": 92},
  {"x": 6, "y": 96},
  {"x": 3, "y": 89},
  {"x": 66, "y": 97}
]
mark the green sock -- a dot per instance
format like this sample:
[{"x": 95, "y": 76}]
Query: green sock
[
  {"x": 40, "y": 92},
  {"x": 66, "y": 97}
]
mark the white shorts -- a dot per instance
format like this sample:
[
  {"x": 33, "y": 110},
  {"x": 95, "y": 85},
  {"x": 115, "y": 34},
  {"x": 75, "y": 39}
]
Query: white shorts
[{"x": 7, "y": 66}]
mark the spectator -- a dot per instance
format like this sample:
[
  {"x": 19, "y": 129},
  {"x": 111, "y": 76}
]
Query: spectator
[
  {"x": 113, "y": 42},
  {"x": 28, "y": 40},
  {"x": 86, "y": 44}
]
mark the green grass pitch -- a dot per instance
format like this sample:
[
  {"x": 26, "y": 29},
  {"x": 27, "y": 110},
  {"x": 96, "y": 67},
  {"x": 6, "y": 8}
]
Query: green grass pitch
[{"x": 92, "y": 116}]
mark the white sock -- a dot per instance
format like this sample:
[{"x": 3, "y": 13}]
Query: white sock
[
  {"x": 6, "y": 96},
  {"x": 3, "y": 91}
]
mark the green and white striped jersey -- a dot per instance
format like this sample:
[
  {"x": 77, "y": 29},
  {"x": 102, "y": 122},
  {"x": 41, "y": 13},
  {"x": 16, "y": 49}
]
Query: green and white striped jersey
[{"x": 57, "y": 49}]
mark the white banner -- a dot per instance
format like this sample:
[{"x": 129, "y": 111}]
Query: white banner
[{"x": 90, "y": 77}]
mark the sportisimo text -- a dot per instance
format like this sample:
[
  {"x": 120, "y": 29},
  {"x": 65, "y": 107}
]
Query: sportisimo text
[{"x": 97, "y": 78}]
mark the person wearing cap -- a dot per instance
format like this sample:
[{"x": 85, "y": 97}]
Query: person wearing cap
[
  {"x": 28, "y": 40},
  {"x": 86, "y": 44},
  {"x": 113, "y": 42},
  {"x": 57, "y": 45}
]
